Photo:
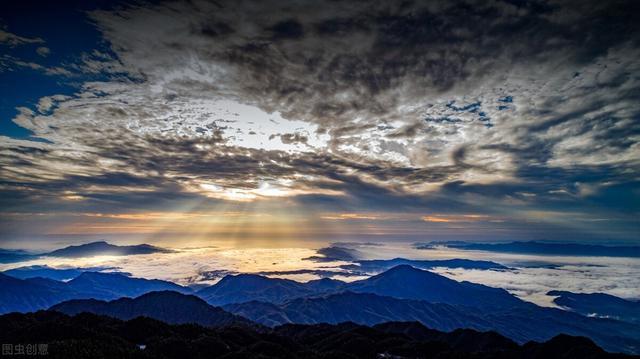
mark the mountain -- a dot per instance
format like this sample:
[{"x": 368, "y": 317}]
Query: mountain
[
  {"x": 407, "y": 282},
  {"x": 520, "y": 323},
  {"x": 15, "y": 255},
  {"x": 335, "y": 254},
  {"x": 361, "y": 308},
  {"x": 25, "y": 295},
  {"x": 378, "y": 265},
  {"x": 167, "y": 306},
  {"x": 403, "y": 281},
  {"x": 44, "y": 271},
  {"x": 115, "y": 285},
  {"x": 247, "y": 287},
  {"x": 598, "y": 305},
  {"x": 18, "y": 295},
  {"x": 544, "y": 248},
  {"x": 402, "y": 293},
  {"x": 90, "y": 336},
  {"x": 104, "y": 248},
  {"x": 565, "y": 347},
  {"x": 268, "y": 314},
  {"x": 461, "y": 339},
  {"x": 83, "y": 250},
  {"x": 324, "y": 285}
]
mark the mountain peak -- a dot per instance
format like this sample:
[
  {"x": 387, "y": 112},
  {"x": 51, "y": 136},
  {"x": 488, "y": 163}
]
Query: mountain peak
[
  {"x": 407, "y": 282},
  {"x": 97, "y": 243},
  {"x": 407, "y": 271},
  {"x": 246, "y": 287},
  {"x": 405, "y": 268}
]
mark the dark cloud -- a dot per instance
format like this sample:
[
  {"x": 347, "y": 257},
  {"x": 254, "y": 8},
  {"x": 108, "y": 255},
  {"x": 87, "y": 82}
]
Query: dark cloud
[{"x": 288, "y": 29}]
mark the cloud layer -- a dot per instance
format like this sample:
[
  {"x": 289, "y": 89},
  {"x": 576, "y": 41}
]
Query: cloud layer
[{"x": 497, "y": 114}]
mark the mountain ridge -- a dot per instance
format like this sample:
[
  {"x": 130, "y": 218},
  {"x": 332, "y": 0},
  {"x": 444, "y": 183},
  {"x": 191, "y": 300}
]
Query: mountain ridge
[
  {"x": 25, "y": 295},
  {"x": 167, "y": 306},
  {"x": 598, "y": 305},
  {"x": 538, "y": 247},
  {"x": 247, "y": 287},
  {"x": 104, "y": 248},
  {"x": 75, "y": 336},
  {"x": 403, "y": 293}
]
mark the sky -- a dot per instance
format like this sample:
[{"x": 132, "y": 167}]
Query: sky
[{"x": 279, "y": 122}]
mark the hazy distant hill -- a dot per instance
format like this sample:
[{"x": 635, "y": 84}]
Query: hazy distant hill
[
  {"x": 12, "y": 256},
  {"x": 18, "y": 295},
  {"x": 83, "y": 250},
  {"x": 598, "y": 305},
  {"x": 90, "y": 336},
  {"x": 104, "y": 248},
  {"x": 115, "y": 285},
  {"x": 378, "y": 265},
  {"x": 32, "y": 294},
  {"x": 534, "y": 247},
  {"x": 44, "y": 271}
]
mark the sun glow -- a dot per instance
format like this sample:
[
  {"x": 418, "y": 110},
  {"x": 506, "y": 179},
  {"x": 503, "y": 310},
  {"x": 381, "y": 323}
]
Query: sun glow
[{"x": 266, "y": 189}]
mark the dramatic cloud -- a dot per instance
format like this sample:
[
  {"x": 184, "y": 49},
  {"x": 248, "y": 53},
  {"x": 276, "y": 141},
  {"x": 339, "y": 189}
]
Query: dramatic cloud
[{"x": 468, "y": 113}]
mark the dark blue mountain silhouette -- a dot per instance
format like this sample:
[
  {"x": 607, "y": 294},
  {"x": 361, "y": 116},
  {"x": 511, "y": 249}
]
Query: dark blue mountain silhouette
[
  {"x": 115, "y": 285},
  {"x": 336, "y": 253},
  {"x": 407, "y": 282},
  {"x": 402, "y": 281},
  {"x": 548, "y": 248},
  {"x": 406, "y": 293},
  {"x": 598, "y": 305},
  {"x": 247, "y": 287},
  {"x": 24, "y": 295},
  {"x": 167, "y": 306},
  {"x": 519, "y": 324},
  {"x": 361, "y": 308},
  {"x": 18, "y": 295},
  {"x": 104, "y": 248},
  {"x": 379, "y": 265},
  {"x": 43, "y": 271},
  {"x": 15, "y": 255},
  {"x": 324, "y": 285}
]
